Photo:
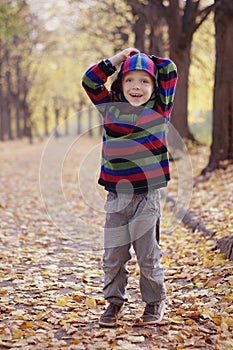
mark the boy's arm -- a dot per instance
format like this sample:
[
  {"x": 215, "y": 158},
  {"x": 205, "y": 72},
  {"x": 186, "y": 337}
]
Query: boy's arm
[
  {"x": 94, "y": 79},
  {"x": 166, "y": 84},
  {"x": 96, "y": 76}
]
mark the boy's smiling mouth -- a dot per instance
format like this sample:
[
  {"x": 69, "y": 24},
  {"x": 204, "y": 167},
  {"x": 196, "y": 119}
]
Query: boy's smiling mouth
[{"x": 135, "y": 95}]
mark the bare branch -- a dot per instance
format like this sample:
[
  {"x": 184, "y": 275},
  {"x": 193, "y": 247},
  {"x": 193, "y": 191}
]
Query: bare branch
[{"x": 204, "y": 14}]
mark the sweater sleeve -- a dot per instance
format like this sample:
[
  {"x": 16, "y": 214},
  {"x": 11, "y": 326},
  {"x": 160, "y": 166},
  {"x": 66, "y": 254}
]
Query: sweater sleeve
[
  {"x": 166, "y": 84},
  {"x": 94, "y": 80}
]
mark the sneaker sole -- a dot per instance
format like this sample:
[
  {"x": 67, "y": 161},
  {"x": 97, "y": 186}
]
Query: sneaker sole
[{"x": 110, "y": 325}]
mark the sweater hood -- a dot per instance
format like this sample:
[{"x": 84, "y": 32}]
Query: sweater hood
[{"x": 141, "y": 62}]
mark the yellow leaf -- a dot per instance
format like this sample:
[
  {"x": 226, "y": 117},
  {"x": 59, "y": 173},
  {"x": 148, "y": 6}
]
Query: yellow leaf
[
  {"x": 189, "y": 321},
  {"x": 222, "y": 256},
  {"x": 217, "y": 320},
  {"x": 210, "y": 226},
  {"x": 61, "y": 303},
  {"x": 41, "y": 233},
  {"x": 208, "y": 313},
  {"x": 177, "y": 320},
  {"x": 218, "y": 262},
  {"x": 45, "y": 273},
  {"x": 26, "y": 325},
  {"x": 70, "y": 320},
  {"x": 90, "y": 303},
  {"x": 17, "y": 333}
]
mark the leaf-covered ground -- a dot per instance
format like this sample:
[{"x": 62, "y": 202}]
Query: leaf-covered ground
[{"x": 51, "y": 277}]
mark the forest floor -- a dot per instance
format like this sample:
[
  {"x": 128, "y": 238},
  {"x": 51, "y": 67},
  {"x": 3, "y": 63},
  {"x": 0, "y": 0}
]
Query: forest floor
[{"x": 51, "y": 279}]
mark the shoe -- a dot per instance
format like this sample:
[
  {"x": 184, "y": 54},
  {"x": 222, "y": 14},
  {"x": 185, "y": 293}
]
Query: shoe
[
  {"x": 153, "y": 313},
  {"x": 109, "y": 317}
]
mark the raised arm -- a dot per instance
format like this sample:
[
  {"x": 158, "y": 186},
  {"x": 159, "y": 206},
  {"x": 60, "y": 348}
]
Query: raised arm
[
  {"x": 166, "y": 78},
  {"x": 94, "y": 79}
]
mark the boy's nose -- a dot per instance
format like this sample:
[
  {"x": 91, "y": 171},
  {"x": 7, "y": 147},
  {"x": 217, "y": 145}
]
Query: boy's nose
[{"x": 136, "y": 86}]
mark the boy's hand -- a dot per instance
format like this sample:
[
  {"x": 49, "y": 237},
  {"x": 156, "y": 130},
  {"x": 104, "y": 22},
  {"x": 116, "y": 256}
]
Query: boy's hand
[
  {"x": 123, "y": 55},
  {"x": 129, "y": 52}
]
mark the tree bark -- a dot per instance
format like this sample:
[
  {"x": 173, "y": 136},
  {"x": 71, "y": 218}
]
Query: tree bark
[
  {"x": 17, "y": 98},
  {"x": 157, "y": 23},
  {"x": 46, "y": 121},
  {"x": 139, "y": 31},
  {"x": 1, "y": 104},
  {"x": 3, "y": 94},
  {"x": 156, "y": 39},
  {"x": 222, "y": 135},
  {"x": 66, "y": 118},
  {"x": 180, "y": 111},
  {"x": 8, "y": 96},
  {"x": 181, "y": 30}
]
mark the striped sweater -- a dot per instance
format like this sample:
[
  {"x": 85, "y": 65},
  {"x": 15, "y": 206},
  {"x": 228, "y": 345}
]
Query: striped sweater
[{"x": 134, "y": 149}]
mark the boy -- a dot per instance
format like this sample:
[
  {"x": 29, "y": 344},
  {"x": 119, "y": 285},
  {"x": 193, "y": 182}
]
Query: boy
[{"x": 134, "y": 167}]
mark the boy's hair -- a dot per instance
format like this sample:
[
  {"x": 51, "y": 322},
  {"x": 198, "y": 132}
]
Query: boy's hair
[{"x": 141, "y": 62}]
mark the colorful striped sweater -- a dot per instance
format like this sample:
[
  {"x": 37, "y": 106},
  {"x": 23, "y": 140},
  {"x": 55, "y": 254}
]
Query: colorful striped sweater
[{"x": 134, "y": 150}]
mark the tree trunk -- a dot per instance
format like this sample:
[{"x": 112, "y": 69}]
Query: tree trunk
[
  {"x": 57, "y": 116},
  {"x": 17, "y": 98},
  {"x": 8, "y": 97},
  {"x": 156, "y": 23},
  {"x": 139, "y": 31},
  {"x": 46, "y": 120},
  {"x": 1, "y": 96},
  {"x": 181, "y": 29},
  {"x": 79, "y": 119},
  {"x": 222, "y": 135},
  {"x": 3, "y": 99},
  {"x": 180, "y": 111},
  {"x": 156, "y": 39},
  {"x": 66, "y": 118}
]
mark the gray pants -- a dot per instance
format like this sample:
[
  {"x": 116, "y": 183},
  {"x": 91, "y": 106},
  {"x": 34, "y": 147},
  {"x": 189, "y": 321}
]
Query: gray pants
[{"x": 132, "y": 220}]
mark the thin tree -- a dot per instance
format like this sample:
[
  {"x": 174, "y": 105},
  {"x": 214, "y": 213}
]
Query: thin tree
[
  {"x": 183, "y": 19},
  {"x": 222, "y": 132},
  {"x": 222, "y": 143}
]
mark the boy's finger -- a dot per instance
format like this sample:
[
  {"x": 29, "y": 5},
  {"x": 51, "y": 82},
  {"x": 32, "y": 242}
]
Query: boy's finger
[{"x": 134, "y": 52}]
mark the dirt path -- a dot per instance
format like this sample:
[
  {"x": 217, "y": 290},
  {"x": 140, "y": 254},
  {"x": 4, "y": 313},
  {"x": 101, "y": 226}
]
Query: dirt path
[{"x": 51, "y": 277}]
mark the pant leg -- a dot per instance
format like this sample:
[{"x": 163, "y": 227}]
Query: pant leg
[
  {"x": 116, "y": 249},
  {"x": 115, "y": 273},
  {"x": 148, "y": 253},
  {"x": 144, "y": 231}
]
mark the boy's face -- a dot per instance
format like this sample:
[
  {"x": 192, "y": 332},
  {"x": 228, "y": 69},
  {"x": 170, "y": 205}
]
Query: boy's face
[{"x": 138, "y": 87}]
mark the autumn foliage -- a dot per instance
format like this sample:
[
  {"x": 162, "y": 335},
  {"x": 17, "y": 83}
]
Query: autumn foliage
[{"x": 51, "y": 280}]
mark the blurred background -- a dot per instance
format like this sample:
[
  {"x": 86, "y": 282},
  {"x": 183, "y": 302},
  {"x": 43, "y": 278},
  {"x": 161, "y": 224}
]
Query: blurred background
[{"x": 45, "y": 47}]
